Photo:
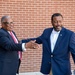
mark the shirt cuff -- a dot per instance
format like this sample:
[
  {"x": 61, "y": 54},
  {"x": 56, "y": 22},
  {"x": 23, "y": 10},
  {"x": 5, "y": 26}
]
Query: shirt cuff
[{"x": 23, "y": 47}]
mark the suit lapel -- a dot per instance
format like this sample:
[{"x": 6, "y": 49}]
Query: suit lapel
[
  {"x": 60, "y": 37},
  {"x": 49, "y": 42},
  {"x": 9, "y": 36}
]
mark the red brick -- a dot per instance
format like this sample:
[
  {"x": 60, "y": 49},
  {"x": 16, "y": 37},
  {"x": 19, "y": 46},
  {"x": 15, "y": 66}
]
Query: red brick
[{"x": 31, "y": 17}]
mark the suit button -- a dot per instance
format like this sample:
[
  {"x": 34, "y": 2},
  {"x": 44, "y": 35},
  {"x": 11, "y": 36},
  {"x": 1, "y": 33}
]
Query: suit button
[{"x": 51, "y": 55}]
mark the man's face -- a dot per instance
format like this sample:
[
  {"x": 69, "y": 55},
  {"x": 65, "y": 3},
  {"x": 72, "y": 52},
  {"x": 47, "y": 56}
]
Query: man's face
[
  {"x": 57, "y": 23},
  {"x": 7, "y": 24}
]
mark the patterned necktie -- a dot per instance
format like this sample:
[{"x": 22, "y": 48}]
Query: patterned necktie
[{"x": 16, "y": 41}]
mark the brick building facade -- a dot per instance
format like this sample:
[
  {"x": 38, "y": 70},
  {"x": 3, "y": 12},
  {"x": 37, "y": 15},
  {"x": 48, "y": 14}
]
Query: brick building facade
[{"x": 31, "y": 17}]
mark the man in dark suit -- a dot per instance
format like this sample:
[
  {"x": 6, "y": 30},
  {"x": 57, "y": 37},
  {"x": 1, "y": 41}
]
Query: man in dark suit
[
  {"x": 58, "y": 42},
  {"x": 9, "y": 47}
]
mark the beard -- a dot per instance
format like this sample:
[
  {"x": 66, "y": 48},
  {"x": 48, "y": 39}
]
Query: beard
[{"x": 57, "y": 28}]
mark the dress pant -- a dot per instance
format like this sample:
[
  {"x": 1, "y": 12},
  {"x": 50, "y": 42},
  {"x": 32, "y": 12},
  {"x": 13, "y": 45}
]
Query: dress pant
[
  {"x": 18, "y": 66},
  {"x": 50, "y": 73}
]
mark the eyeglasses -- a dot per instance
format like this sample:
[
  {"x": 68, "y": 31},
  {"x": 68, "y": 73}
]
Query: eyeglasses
[{"x": 6, "y": 23}]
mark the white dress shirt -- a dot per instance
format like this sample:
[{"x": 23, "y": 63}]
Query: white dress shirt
[{"x": 53, "y": 38}]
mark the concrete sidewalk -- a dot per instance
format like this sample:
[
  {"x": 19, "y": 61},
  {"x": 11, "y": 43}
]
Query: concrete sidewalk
[
  {"x": 38, "y": 73},
  {"x": 31, "y": 73}
]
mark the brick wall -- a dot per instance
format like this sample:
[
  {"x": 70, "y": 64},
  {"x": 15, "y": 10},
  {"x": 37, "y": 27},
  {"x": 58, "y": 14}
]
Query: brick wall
[{"x": 31, "y": 17}]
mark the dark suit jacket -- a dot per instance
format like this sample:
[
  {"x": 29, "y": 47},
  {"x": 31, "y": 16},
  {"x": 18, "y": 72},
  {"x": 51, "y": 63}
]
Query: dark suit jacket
[
  {"x": 8, "y": 54},
  {"x": 59, "y": 60}
]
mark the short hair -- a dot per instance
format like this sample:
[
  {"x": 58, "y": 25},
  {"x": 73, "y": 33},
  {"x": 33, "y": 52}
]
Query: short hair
[
  {"x": 55, "y": 15},
  {"x": 4, "y": 17}
]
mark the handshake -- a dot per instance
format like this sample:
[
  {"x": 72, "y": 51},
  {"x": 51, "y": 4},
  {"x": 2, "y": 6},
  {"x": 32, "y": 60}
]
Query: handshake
[{"x": 32, "y": 45}]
